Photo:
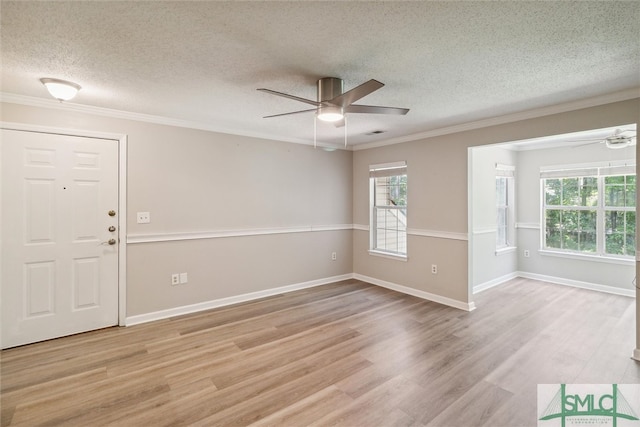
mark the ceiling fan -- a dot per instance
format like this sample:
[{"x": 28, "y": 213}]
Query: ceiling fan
[
  {"x": 619, "y": 139},
  {"x": 333, "y": 103}
]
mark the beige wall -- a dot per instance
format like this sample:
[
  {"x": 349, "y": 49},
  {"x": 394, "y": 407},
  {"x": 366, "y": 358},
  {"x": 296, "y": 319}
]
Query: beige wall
[
  {"x": 199, "y": 181},
  {"x": 437, "y": 194}
]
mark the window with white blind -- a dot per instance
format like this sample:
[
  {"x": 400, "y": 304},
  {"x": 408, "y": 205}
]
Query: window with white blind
[
  {"x": 505, "y": 227},
  {"x": 388, "y": 183},
  {"x": 590, "y": 210}
]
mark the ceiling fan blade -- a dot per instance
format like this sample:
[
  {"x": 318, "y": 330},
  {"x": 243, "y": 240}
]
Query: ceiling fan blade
[
  {"x": 356, "y": 93},
  {"x": 372, "y": 109},
  {"x": 286, "y": 95},
  {"x": 288, "y": 114}
]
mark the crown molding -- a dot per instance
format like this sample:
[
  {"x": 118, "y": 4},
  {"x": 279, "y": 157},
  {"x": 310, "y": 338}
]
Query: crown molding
[
  {"x": 623, "y": 95},
  {"x": 493, "y": 121},
  {"x": 12, "y": 98}
]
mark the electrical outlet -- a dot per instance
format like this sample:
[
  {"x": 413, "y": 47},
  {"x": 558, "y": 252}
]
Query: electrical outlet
[
  {"x": 334, "y": 256},
  {"x": 183, "y": 278},
  {"x": 144, "y": 217},
  {"x": 434, "y": 269},
  {"x": 175, "y": 279},
  {"x": 526, "y": 253}
]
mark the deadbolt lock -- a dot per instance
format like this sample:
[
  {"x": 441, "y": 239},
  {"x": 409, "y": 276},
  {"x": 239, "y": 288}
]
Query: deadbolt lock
[
  {"x": 112, "y": 213},
  {"x": 112, "y": 228}
]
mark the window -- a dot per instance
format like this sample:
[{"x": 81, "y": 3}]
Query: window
[
  {"x": 620, "y": 214},
  {"x": 504, "y": 207},
  {"x": 590, "y": 210},
  {"x": 389, "y": 208}
]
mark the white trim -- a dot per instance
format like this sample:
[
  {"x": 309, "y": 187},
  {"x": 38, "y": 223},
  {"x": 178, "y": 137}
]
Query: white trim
[
  {"x": 12, "y": 98},
  {"x": 396, "y": 257},
  {"x": 217, "y": 234},
  {"x": 470, "y": 306},
  {"x": 623, "y": 95},
  {"x": 122, "y": 195},
  {"x": 484, "y": 230},
  {"x": 578, "y": 284},
  {"x": 208, "y": 305},
  {"x": 222, "y": 302},
  {"x": 595, "y": 101},
  {"x": 494, "y": 282},
  {"x": 122, "y": 230},
  {"x": 505, "y": 250},
  {"x": 623, "y": 164},
  {"x": 390, "y": 165},
  {"x": 636, "y": 354},
  {"x": 332, "y": 227},
  {"x": 388, "y": 169},
  {"x": 505, "y": 171},
  {"x": 437, "y": 234},
  {"x": 528, "y": 225},
  {"x": 588, "y": 258}
]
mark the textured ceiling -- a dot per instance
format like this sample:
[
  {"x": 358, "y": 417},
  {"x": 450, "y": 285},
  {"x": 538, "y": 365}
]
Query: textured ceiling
[{"x": 449, "y": 62}]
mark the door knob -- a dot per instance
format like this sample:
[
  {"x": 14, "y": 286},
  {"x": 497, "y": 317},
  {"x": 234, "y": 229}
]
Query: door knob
[
  {"x": 109, "y": 242},
  {"x": 112, "y": 228},
  {"x": 112, "y": 213}
]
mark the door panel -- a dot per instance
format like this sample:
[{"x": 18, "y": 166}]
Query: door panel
[{"x": 59, "y": 274}]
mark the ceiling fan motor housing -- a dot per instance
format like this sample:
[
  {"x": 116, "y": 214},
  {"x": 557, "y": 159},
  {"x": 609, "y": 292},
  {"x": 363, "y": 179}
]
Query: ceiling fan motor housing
[{"x": 329, "y": 88}]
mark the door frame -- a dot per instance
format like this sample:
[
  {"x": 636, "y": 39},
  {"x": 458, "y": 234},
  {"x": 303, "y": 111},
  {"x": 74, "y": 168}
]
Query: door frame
[{"x": 122, "y": 196}]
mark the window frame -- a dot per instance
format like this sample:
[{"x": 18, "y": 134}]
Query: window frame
[
  {"x": 599, "y": 172},
  {"x": 506, "y": 173},
  {"x": 387, "y": 170}
]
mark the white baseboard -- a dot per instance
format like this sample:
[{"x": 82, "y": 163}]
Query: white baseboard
[
  {"x": 207, "y": 305},
  {"x": 470, "y": 306},
  {"x": 495, "y": 282},
  {"x": 636, "y": 354},
  {"x": 417, "y": 293},
  {"x": 578, "y": 284}
]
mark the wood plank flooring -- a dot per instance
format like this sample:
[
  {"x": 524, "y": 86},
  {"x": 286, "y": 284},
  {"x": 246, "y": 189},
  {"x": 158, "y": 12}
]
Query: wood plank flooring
[{"x": 344, "y": 354}]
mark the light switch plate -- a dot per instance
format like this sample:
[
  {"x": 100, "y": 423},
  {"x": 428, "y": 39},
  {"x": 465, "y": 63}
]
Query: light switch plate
[{"x": 144, "y": 217}]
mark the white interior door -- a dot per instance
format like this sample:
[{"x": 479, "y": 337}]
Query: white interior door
[{"x": 59, "y": 241}]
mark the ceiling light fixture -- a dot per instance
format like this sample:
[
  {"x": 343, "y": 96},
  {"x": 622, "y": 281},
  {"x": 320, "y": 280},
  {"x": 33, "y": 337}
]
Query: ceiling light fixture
[
  {"x": 61, "y": 90},
  {"x": 330, "y": 114},
  {"x": 618, "y": 142}
]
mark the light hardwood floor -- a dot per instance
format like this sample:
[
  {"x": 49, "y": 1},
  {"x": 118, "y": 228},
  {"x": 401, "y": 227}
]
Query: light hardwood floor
[{"x": 348, "y": 354}]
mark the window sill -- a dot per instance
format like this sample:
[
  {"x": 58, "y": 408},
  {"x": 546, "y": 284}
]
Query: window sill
[
  {"x": 506, "y": 250},
  {"x": 389, "y": 255},
  {"x": 585, "y": 257}
]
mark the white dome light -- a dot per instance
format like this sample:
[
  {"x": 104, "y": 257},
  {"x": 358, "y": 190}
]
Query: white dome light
[
  {"x": 330, "y": 114},
  {"x": 60, "y": 89}
]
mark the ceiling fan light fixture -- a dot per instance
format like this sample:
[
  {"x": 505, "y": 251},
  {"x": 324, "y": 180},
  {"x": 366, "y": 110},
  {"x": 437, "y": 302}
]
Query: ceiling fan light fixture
[
  {"x": 330, "y": 114},
  {"x": 61, "y": 90},
  {"x": 616, "y": 144}
]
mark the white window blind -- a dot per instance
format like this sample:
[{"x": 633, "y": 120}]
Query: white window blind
[
  {"x": 388, "y": 169},
  {"x": 591, "y": 171}
]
